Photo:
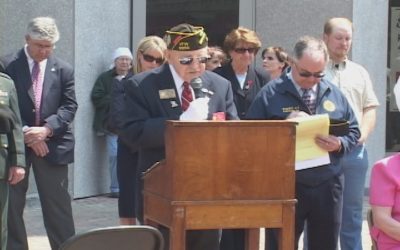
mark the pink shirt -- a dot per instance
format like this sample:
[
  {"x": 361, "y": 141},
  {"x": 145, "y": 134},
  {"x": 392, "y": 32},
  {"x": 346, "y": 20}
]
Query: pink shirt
[{"x": 385, "y": 192}]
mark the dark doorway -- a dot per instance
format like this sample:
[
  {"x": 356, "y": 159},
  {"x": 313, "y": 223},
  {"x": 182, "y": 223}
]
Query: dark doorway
[{"x": 218, "y": 17}]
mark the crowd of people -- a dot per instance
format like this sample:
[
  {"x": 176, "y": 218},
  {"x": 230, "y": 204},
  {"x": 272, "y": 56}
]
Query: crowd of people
[{"x": 137, "y": 94}]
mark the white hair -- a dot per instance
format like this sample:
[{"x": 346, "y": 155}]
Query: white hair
[{"x": 43, "y": 28}]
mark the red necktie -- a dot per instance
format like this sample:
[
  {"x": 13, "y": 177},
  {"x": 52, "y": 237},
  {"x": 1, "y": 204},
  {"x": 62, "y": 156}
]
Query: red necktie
[
  {"x": 187, "y": 96},
  {"x": 37, "y": 84}
]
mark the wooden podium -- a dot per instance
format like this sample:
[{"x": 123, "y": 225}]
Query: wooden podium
[{"x": 231, "y": 174}]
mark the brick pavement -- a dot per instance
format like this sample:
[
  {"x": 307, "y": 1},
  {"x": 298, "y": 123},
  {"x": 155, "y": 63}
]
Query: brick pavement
[{"x": 92, "y": 213}]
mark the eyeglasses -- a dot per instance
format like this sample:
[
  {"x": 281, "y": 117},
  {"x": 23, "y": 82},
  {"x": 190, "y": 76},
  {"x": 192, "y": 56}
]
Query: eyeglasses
[
  {"x": 189, "y": 60},
  {"x": 243, "y": 50},
  {"x": 307, "y": 74},
  {"x": 150, "y": 59}
]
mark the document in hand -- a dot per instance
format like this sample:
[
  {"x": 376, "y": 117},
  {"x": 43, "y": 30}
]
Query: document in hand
[{"x": 308, "y": 154}]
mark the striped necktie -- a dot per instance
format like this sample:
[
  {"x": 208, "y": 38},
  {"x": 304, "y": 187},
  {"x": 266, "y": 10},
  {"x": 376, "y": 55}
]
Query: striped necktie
[
  {"x": 308, "y": 100},
  {"x": 187, "y": 96},
  {"x": 37, "y": 85}
]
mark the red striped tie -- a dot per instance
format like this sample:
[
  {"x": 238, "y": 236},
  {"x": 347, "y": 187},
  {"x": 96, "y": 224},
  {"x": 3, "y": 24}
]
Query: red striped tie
[{"x": 187, "y": 96}]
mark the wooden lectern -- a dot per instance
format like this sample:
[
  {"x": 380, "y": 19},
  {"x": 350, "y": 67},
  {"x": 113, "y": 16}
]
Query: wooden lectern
[{"x": 231, "y": 174}]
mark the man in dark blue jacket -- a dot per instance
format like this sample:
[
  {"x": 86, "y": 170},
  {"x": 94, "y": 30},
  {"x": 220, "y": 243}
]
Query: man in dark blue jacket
[{"x": 302, "y": 91}]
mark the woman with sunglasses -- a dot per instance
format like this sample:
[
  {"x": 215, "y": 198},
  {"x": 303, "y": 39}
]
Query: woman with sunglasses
[
  {"x": 241, "y": 45},
  {"x": 149, "y": 55},
  {"x": 275, "y": 61}
]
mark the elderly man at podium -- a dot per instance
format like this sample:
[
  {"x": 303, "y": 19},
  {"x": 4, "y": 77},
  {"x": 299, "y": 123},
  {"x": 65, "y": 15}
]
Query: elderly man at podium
[
  {"x": 303, "y": 91},
  {"x": 181, "y": 89}
]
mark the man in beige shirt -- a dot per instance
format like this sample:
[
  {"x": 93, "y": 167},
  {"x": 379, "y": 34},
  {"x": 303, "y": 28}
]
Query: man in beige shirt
[{"x": 355, "y": 83}]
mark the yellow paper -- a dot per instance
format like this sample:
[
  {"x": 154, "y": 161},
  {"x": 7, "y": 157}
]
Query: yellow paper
[{"x": 308, "y": 154}]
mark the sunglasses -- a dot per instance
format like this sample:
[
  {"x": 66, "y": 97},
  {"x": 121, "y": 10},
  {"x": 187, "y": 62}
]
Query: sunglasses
[
  {"x": 150, "y": 59},
  {"x": 307, "y": 74},
  {"x": 189, "y": 60},
  {"x": 243, "y": 50}
]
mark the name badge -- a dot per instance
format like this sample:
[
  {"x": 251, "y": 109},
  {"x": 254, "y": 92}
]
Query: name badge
[
  {"x": 290, "y": 109},
  {"x": 167, "y": 93}
]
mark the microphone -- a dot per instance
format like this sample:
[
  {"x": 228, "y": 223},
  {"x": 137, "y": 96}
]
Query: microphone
[{"x": 199, "y": 91}]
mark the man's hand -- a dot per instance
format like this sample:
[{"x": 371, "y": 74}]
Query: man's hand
[
  {"x": 33, "y": 135},
  {"x": 362, "y": 139},
  {"x": 15, "y": 175},
  {"x": 40, "y": 148},
  {"x": 295, "y": 114},
  {"x": 329, "y": 143}
]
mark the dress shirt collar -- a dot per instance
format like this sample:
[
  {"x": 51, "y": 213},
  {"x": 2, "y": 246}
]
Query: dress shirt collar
[
  {"x": 177, "y": 80},
  {"x": 31, "y": 62},
  {"x": 337, "y": 66},
  {"x": 298, "y": 88}
]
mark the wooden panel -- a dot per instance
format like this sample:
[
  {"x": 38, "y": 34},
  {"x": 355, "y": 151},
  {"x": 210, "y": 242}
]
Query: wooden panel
[
  {"x": 231, "y": 160},
  {"x": 234, "y": 174},
  {"x": 234, "y": 216},
  {"x": 286, "y": 235},
  {"x": 158, "y": 180},
  {"x": 157, "y": 209}
]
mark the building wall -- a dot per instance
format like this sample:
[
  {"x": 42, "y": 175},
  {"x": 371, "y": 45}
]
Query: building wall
[
  {"x": 101, "y": 26},
  {"x": 283, "y": 22},
  {"x": 370, "y": 18},
  {"x": 13, "y": 28},
  {"x": 15, "y": 15},
  {"x": 90, "y": 31}
]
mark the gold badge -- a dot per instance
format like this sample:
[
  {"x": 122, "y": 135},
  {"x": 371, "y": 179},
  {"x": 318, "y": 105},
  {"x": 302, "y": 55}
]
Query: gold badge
[
  {"x": 290, "y": 109},
  {"x": 329, "y": 106},
  {"x": 167, "y": 93}
]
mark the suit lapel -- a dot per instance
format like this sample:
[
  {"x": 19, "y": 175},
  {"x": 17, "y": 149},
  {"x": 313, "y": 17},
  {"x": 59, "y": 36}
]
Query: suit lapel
[
  {"x": 172, "y": 106},
  {"x": 234, "y": 81},
  {"x": 25, "y": 79},
  {"x": 250, "y": 83},
  {"x": 48, "y": 76}
]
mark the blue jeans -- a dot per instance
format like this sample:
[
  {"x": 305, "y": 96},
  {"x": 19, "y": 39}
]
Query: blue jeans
[
  {"x": 355, "y": 166},
  {"x": 112, "y": 147}
]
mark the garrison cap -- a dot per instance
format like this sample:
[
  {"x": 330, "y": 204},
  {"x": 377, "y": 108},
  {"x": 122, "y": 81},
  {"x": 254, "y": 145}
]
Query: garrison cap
[{"x": 186, "y": 37}]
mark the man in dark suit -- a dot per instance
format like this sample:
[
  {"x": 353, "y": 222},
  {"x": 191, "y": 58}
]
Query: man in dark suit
[
  {"x": 46, "y": 95},
  {"x": 303, "y": 91},
  {"x": 164, "y": 94}
]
